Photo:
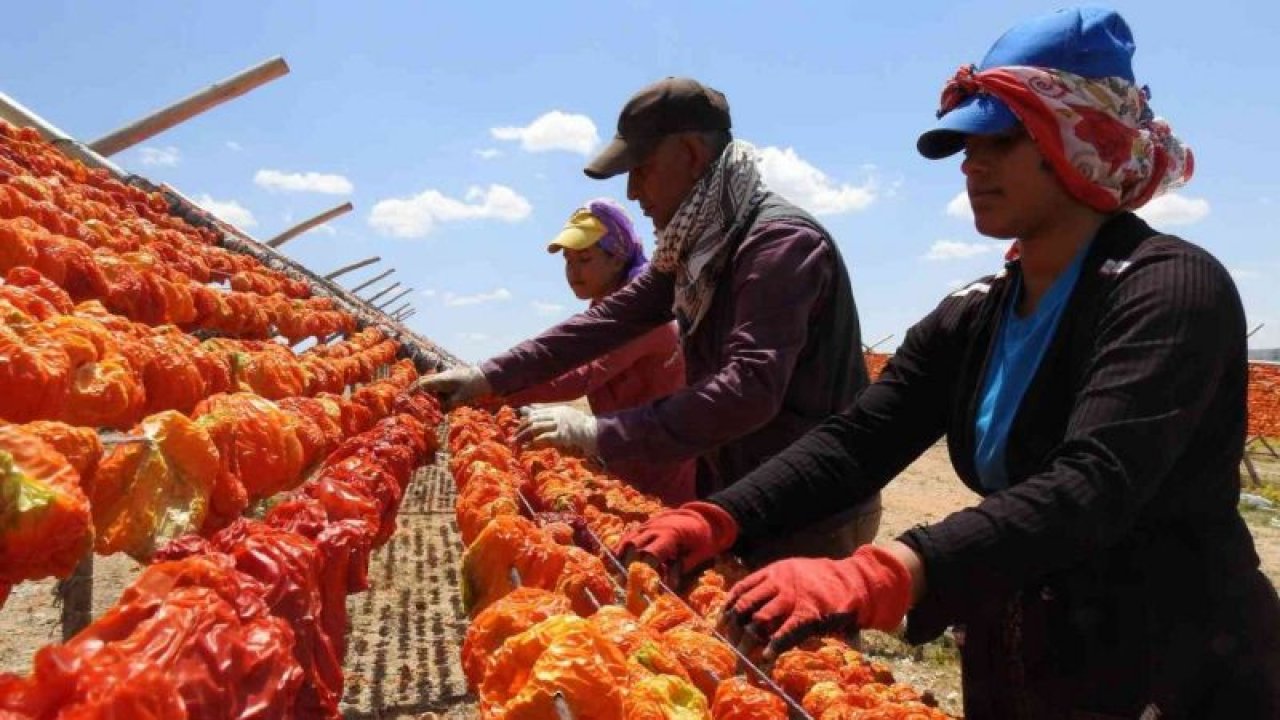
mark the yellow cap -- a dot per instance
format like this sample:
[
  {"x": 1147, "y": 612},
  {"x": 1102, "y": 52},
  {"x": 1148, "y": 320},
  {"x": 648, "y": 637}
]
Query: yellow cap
[{"x": 581, "y": 232}]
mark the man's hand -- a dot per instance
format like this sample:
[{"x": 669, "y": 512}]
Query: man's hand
[
  {"x": 558, "y": 426},
  {"x": 456, "y": 386}
]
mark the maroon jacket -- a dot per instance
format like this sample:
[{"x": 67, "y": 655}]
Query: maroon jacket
[
  {"x": 778, "y": 351},
  {"x": 641, "y": 371}
]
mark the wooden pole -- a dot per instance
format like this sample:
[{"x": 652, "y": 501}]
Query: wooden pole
[
  {"x": 1253, "y": 471},
  {"x": 383, "y": 291},
  {"x": 400, "y": 308},
  {"x": 353, "y": 266},
  {"x": 306, "y": 225},
  {"x": 369, "y": 282},
  {"x": 872, "y": 347},
  {"x": 210, "y": 97},
  {"x": 406, "y": 315},
  {"x": 398, "y": 295},
  {"x": 76, "y": 594}
]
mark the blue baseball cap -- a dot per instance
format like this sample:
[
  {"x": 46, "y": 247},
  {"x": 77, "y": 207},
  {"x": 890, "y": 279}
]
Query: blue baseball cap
[{"x": 1092, "y": 42}]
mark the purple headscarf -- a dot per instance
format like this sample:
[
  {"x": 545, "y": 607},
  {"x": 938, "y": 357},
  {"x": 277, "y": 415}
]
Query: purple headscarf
[{"x": 620, "y": 240}]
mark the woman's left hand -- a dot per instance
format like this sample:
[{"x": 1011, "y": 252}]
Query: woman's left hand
[
  {"x": 558, "y": 426},
  {"x": 791, "y": 600}
]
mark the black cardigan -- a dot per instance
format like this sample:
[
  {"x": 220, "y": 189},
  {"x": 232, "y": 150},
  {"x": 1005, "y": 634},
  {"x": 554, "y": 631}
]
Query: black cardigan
[{"x": 1123, "y": 458}]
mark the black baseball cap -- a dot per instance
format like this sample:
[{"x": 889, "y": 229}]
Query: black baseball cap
[{"x": 668, "y": 106}]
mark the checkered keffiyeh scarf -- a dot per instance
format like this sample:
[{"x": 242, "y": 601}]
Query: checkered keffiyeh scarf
[{"x": 695, "y": 245}]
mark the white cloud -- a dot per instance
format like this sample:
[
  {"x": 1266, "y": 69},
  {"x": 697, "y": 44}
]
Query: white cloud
[
  {"x": 488, "y": 153},
  {"x": 429, "y": 293},
  {"x": 166, "y": 156},
  {"x": 499, "y": 295},
  {"x": 1174, "y": 209},
  {"x": 553, "y": 131},
  {"x": 810, "y": 188},
  {"x": 416, "y": 216},
  {"x": 303, "y": 182},
  {"x": 1244, "y": 273},
  {"x": 472, "y": 337},
  {"x": 233, "y": 145},
  {"x": 952, "y": 250},
  {"x": 325, "y": 229},
  {"x": 228, "y": 211},
  {"x": 959, "y": 207},
  {"x": 547, "y": 309}
]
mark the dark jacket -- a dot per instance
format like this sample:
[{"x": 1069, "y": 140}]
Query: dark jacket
[
  {"x": 1116, "y": 570},
  {"x": 778, "y": 351}
]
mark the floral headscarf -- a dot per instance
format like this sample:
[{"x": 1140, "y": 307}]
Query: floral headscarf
[{"x": 1098, "y": 134}]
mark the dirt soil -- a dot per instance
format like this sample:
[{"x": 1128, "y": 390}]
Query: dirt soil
[{"x": 407, "y": 629}]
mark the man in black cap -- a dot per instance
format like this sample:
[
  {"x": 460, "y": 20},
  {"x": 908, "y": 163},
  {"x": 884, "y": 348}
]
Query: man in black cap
[{"x": 761, "y": 295}]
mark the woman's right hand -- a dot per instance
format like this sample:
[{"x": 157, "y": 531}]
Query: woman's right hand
[
  {"x": 456, "y": 386},
  {"x": 679, "y": 540}
]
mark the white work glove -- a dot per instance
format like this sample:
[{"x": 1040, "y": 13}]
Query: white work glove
[
  {"x": 456, "y": 386},
  {"x": 559, "y": 426}
]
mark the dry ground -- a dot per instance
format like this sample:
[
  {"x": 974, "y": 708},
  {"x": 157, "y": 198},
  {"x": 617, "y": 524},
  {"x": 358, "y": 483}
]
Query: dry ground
[{"x": 403, "y": 655}]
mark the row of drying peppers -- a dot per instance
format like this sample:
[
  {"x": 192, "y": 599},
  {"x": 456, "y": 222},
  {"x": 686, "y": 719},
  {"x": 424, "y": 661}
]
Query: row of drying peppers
[
  {"x": 549, "y": 629},
  {"x": 174, "y": 475},
  {"x": 102, "y": 240},
  {"x": 1264, "y": 400},
  {"x": 135, "y": 286},
  {"x": 66, "y": 198},
  {"x": 83, "y": 365},
  {"x": 231, "y": 618},
  {"x": 249, "y": 621}
]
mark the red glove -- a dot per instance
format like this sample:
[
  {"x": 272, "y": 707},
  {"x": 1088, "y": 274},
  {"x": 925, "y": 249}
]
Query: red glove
[
  {"x": 693, "y": 533},
  {"x": 793, "y": 599}
]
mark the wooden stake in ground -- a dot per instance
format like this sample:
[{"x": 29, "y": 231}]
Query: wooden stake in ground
[{"x": 76, "y": 596}]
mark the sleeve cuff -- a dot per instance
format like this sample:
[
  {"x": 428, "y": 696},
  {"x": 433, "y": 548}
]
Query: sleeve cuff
[{"x": 499, "y": 380}]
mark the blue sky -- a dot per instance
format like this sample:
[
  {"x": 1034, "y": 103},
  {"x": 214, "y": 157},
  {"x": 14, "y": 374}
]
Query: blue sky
[{"x": 459, "y": 130}]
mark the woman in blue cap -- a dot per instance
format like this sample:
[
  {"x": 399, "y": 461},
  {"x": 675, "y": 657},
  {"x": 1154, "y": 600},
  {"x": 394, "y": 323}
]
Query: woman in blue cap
[
  {"x": 1092, "y": 391},
  {"x": 602, "y": 254}
]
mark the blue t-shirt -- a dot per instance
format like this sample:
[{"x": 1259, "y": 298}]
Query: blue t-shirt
[{"x": 1018, "y": 350}]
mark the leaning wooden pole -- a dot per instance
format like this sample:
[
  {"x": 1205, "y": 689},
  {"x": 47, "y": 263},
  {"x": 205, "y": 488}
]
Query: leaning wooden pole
[
  {"x": 406, "y": 315},
  {"x": 306, "y": 225},
  {"x": 397, "y": 296},
  {"x": 370, "y": 281},
  {"x": 383, "y": 291},
  {"x": 210, "y": 97},
  {"x": 353, "y": 266},
  {"x": 400, "y": 308}
]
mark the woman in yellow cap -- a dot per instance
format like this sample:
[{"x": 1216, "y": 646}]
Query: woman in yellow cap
[{"x": 601, "y": 255}]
